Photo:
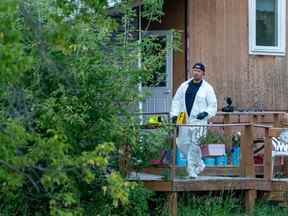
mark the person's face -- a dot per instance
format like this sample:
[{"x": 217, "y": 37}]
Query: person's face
[{"x": 197, "y": 74}]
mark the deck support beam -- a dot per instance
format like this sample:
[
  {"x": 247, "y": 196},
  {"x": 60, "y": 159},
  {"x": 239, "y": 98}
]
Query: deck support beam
[
  {"x": 172, "y": 203},
  {"x": 250, "y": 197}
]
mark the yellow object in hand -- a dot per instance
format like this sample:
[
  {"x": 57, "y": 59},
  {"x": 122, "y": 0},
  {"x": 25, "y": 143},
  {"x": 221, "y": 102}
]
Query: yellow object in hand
[{"x": 181, "y": 118}]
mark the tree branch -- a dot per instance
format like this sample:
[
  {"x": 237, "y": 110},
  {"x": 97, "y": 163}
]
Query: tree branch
[{"x": 21, "y": 173}]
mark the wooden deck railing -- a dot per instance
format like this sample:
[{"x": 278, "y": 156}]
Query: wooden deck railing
[
  {"x": 246, "y": 171},
  {"x": 254, "y": 121},
  {"x": 246, "y": 147}
]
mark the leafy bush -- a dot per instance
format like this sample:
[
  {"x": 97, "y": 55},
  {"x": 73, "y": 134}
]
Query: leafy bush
[
  {"x": 151, "y": 144},
  {"x": 68, "y": 84}
]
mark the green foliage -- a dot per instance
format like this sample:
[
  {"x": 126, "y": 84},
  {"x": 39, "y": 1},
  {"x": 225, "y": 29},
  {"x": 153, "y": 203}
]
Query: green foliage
[
  {"x": 223, "y": 204},
  {"x": 14, "y": 59},
  {"x": 153, "y": 9},
  {"x": 217, "y": 138},
  {"x": 68, "y": 83},
  {"x": 212, "y": 138},
  {"x": 138, "y": 204},
  {"x": 150, "y": 145},
  {"x": 264, "y": 208}
]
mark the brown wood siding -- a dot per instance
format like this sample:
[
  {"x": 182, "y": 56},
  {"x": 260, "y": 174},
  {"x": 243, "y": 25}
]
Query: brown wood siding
[
  {"x": 174, "y": 18},
  {"x": 218, "y": 37}
]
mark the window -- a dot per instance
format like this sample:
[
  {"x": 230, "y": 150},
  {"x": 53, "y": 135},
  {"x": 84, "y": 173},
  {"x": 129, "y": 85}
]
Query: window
[{"x": 267, "y": 27}]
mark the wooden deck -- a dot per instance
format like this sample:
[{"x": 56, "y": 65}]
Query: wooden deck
[
  {"x": 248, "y": 177},
  {"x": 209, "y": 182},
  {"x": 212, "y": 171},
  {"x": 203, "y": 183}
]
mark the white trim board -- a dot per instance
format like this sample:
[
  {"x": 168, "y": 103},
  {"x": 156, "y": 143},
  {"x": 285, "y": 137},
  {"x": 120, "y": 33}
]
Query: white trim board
[{"x": 279, "y": 50}]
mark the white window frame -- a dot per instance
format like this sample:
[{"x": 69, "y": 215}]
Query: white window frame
[{"x": 279, "y": 50}]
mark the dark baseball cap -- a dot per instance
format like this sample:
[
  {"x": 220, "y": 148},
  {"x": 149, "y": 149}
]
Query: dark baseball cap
[{"x": 199, "y": 66}]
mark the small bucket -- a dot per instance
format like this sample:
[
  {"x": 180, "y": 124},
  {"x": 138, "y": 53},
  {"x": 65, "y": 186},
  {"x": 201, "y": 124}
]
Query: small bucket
[
  {"x": 181, "y": 160},
  {"x": 221, "y": 161},
  {"x": 209, "y": 161},
  {"x": 235, "y": 156}
]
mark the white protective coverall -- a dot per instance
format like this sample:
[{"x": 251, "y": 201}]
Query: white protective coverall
[{"x": 188, "y": 138}]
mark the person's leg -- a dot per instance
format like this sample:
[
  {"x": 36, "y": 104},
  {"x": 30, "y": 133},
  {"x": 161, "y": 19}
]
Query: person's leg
[{"x": 195, "y": 165}]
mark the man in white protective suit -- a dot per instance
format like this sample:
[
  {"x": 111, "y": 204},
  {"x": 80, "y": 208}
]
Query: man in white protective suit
[{"x": 196, "y": 98}]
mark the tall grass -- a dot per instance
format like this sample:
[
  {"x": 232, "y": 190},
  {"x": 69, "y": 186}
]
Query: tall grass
[{"x": 220, "y": 204}]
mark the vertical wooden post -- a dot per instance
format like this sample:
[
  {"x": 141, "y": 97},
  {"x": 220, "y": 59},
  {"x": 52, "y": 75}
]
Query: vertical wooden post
[
  {"x": 246, "y": 152},
  {"x": 254, "y": 120},
  {"x": 268, "y": 165},
  {"x": 243, "y": 141},
  {"x": 172, "y": 203},
  {"x": 172, "y": 197},
  {"x": 250, "y": 197},
  {"x": 173, "y": 165},
  {"x": 227, "y": 130},
  {"x": 284, "y": 124},
  {"x": 247, "y": 164}
]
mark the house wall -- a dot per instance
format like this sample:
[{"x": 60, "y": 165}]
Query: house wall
[
  {"x": 174, "y": 18},
  {"x": 218, "y": 37}
]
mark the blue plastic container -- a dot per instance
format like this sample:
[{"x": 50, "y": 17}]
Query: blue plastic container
[
  {"x": 235, "y": 156},
  {"x": 209, "y": 161},
  {"x": 221, "y": 161},
  {"x": 181, "y": 160}
]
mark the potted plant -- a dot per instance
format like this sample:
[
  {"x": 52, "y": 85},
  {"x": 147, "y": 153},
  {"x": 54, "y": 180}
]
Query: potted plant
[
  {"x": 212, "y": 144},
  {"x": 213, "y": 149}
]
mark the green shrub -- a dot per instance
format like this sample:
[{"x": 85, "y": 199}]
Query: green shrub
[{"x": 68, "y": 84}]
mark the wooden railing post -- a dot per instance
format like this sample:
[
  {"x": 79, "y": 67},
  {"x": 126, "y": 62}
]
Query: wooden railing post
[
  {"x": 247, "y": 164},
  {"x": 173, "y": 165},
  {"x": 284, "y": 124},
  {"x": 277, "y": 123},
  {"x": 172, "y": 195},
  {"x": 227, "y": 130},
  {"x": 268, "y": 165},
  {"x": 253, "y": 120},
  {"x": 246, "y": 149}
]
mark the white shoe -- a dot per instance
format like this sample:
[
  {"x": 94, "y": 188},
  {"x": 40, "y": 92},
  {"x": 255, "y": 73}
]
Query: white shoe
[
  {"x": 200, "y": 168},
  {"x": 191, "y": 175}
]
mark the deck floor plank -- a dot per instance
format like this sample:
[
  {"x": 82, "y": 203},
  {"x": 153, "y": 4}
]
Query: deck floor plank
[{"x": 205, "y": 183}]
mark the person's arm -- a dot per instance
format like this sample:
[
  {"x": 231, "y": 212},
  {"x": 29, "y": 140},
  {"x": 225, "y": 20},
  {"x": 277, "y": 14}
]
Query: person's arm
[{"x": 212, "y": 103}]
